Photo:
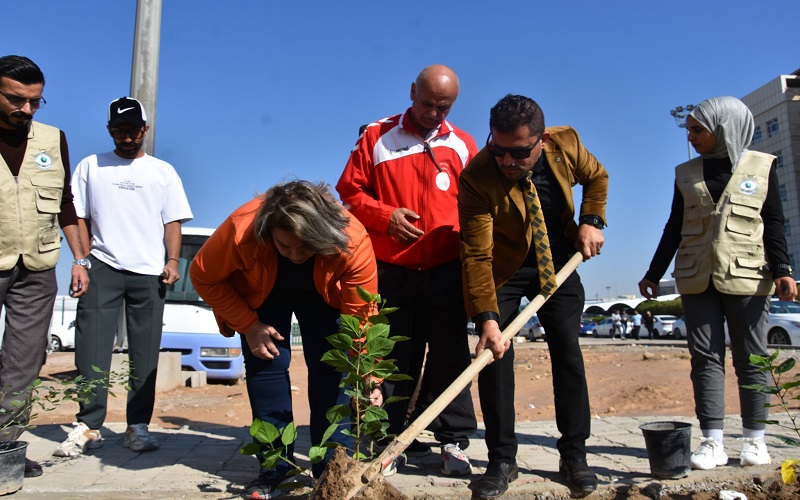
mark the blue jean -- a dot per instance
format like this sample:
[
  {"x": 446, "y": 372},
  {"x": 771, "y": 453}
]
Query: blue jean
[{"x": 268, "y": 384}]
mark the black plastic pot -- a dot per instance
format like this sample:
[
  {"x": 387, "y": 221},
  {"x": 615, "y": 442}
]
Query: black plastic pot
[
  {"x": 668, "y": 448},
  {"x": 12, "y": 466}
]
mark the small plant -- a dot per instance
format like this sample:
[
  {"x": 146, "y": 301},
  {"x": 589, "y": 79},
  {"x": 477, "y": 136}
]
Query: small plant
[
  {"x": 781, "y": 390},
  {"x": 46, "y": 397},
  {"x": 358, "y": 351}
]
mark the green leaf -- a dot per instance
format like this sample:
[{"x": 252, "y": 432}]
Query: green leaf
[
  {"x": 264, "y": 432},
  {"x": 785, "y": 366},
  {"x": 316, "y": 454},
  {"x": 329, "y": 432},
  {"x": 398, "y": 376},
  {"x": 340, "y": 341},
  {"x": 271, "y": 459},
  {"x": 359, "y": 456},
  {"x": 789, "y": 441},
  {"x": 769, "y": 422},
  {"x": 383, "y": 369},
  {"x": 379, "y": 319},
  {"x": 338, "y": 412},
  {"x": 364, "y": 295},
  {"x": 394, "y": 399},
  {"x": 336, "y": 359},
  {"x": 375, "y": 413},
  {"x": 380, "y": 347},
  {"x": 389, "y": 310},
  {"x": 789, "y": 385},
  {"x": 289, "y": 434},
  {"x": 376, "y": 331},
  {"x": 398, "y": 338},
  {"x": 250, "y": 449},
  {"x": 764, "y": 389},
  {"x": 350, "y": 325}
]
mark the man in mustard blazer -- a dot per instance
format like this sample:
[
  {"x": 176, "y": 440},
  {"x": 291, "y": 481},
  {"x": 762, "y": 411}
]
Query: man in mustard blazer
[{"x": 500, "y": 267}]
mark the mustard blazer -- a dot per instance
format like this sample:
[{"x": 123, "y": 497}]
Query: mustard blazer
[{"x": 495, "y": 228}]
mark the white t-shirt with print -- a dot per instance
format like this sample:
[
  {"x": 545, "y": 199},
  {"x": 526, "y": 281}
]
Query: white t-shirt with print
[{"x": 127, "y": 203}]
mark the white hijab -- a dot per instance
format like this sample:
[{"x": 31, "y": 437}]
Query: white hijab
[{"x": 730, "y": 121}]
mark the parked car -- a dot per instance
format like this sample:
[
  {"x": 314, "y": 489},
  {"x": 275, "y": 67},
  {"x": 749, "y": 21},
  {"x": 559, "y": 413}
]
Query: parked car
[
  {"x": 587, "y": 327},
  {"x": 603, "y": 328},
  {"x": 678, "y": 329},
  {"x": 62, "y": 337},
  {"x": 783, "y": 323},
  {"x": 662, "y": 325},
  {"x": 532, "y": 330}
]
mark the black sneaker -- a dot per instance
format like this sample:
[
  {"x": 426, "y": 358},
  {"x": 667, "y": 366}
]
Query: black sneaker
[
  {"x": 418, "y": 449},
  {"x": 264, "y": 487}
]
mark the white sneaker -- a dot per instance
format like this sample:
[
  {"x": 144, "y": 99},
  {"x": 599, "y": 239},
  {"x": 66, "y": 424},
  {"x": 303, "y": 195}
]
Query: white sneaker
[
  {"x": 454, "y": 461},
  {"x": 391, "y": 469},
  {"x": 138, "y": 438},
  {"x": 79, "y": 439},
  {"x": 754, "y": 452},
  {"x": 709, "y": 454}
]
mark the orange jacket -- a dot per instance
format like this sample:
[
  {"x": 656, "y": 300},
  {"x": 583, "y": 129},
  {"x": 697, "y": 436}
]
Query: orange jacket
[{"x": 234, "y": 273}]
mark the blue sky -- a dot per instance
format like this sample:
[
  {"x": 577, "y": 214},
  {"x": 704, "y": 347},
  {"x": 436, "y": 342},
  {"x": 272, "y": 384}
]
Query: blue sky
[{"x": 256, "y": 92}]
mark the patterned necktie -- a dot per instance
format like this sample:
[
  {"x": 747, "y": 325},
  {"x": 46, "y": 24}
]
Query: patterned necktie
[{"x": 544, "y": 259}]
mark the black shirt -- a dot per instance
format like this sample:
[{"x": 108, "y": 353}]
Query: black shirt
[{"x": 553, "y": 204}]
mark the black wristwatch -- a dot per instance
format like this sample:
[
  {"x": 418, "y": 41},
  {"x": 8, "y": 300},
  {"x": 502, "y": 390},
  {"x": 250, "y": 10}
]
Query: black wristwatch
[{"x": 592, "y": 220}]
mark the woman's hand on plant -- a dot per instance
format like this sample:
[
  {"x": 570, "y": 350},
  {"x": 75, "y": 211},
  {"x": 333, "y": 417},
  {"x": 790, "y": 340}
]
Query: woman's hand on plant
[
  {"x": 260, "y": 339},
  {"x": 376, "y": 396}
]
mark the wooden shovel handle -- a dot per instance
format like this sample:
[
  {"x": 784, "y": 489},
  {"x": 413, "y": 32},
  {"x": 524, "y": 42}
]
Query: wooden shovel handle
[{"x": 402, "y": 441}]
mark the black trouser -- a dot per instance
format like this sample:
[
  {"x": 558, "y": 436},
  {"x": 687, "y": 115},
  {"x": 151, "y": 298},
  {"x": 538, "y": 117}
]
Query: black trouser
[
  {"x": 431, "y": 310},
  {"x": 96, "y": 326},
  {"x": 560, "y": 317}
]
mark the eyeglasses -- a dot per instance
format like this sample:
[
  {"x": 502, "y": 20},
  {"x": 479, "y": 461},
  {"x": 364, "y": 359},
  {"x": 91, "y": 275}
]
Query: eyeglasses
[
  {"x": 18, "y": 102},
  {"x": 120, "y": 134},
  {"x": 519, "y": 153}
]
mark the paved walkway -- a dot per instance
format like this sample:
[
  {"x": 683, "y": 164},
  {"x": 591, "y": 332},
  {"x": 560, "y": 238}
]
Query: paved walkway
[{"x": 204, "y": 463}]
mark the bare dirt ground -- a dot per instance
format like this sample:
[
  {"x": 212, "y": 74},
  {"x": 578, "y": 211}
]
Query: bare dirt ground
[{"x": 625, "y": 379}]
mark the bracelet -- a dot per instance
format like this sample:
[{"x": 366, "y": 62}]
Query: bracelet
[{"x": 173, "y": 258}]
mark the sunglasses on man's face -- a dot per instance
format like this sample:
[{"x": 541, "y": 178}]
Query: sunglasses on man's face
[{"x": 519, "y": 153}]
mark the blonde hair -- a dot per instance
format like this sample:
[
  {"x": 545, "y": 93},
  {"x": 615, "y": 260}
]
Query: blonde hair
[{"x": 309, "y": 211}]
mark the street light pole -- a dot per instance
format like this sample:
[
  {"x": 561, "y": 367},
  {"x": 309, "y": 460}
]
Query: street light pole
[
  {"x": 680, "y": 113},
  {"x": 144, "y": 70}
]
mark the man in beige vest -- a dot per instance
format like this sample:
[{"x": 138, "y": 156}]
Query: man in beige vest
[{"x": 35, "y": 199}]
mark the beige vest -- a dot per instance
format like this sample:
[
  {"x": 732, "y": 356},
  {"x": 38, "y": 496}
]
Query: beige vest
[
  {"x": 31, "y": 202},
  {"x": 724, "y": 242}
]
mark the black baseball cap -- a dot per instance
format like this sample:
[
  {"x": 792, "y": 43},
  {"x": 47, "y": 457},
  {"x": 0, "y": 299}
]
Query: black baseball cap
[{"x": 126, "y": 110}]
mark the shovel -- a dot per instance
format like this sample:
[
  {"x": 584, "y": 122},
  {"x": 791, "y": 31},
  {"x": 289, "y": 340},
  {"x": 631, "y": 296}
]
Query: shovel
[{"x": 365, "y": 473}]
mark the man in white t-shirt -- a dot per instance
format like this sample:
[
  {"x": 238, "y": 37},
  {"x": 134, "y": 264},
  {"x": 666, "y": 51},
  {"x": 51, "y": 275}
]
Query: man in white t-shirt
[{"x": 130, "y": 209}]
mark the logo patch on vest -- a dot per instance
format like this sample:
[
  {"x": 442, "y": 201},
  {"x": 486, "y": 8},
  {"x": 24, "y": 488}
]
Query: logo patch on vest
[
  {"x": 43, "y": 161},
  {"x": 748, "y": 186}
]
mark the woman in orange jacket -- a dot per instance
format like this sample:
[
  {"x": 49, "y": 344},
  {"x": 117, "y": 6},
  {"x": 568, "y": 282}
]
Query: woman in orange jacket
[{"x": 292, "y": 250}]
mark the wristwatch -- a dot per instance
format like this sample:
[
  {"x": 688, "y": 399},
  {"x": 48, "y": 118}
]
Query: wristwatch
[
  {"x": 592, "y": 220},
  {"x": 785, "y": 267},
  {"x": 82, "y": 262}
]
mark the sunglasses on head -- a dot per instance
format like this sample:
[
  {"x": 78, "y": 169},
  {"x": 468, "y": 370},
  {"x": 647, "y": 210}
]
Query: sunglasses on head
[{"x": 518, "y": 153}]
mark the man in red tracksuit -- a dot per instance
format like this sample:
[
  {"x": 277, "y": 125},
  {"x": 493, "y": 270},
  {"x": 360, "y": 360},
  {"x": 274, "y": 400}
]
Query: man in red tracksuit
[{"x": 401, "y": 182}]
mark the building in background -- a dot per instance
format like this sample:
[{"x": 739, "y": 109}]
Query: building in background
[{"x": 776, "y": 110}]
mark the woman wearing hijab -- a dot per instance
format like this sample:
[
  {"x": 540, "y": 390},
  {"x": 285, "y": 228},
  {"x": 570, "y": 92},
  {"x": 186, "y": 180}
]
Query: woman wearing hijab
[
  {"x": 726, "y": 226},
  {"x": 291, "y": 250}
]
